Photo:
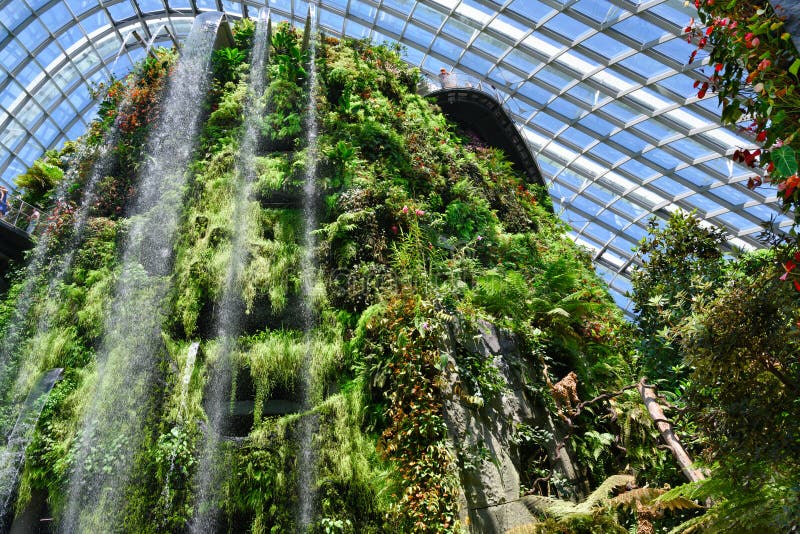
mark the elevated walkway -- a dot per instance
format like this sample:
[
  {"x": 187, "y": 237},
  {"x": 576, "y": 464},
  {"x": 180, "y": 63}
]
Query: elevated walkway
[
  {"x": 16, "y": 230},
  {"x": 477, "y": 108}
]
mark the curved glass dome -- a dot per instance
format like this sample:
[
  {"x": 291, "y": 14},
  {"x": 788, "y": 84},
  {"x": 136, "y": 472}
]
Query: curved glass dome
[{"x": 599, "y": 88}]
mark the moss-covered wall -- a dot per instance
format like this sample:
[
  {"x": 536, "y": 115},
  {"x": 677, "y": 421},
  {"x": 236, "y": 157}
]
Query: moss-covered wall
[{"x": 418, "y": 228}]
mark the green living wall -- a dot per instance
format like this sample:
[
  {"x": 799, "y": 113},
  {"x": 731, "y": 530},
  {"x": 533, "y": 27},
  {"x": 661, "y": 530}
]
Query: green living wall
[{"x": 420, "y": 227}]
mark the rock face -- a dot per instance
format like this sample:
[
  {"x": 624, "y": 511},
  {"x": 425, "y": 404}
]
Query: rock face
[{"x": 483, "y": 433}]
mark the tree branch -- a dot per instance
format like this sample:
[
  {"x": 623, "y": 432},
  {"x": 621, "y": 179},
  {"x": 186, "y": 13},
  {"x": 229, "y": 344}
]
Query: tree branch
[{"x": 667, "y": 433}]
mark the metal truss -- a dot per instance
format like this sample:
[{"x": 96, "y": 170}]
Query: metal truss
[{"x": 600, "y": 89}]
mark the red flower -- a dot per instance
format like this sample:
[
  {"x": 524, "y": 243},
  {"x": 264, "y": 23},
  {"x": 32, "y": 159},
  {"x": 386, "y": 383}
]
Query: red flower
[{"x": 762, "y": 136}]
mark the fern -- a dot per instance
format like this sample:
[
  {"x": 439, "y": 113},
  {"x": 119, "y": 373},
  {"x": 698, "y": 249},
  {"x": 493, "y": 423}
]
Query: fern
[
  {"x": 561, "y": 509},
  {"x": 651, "y": 497}
]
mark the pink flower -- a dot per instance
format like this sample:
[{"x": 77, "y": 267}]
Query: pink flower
[
  {"x": 405, "y": 209},
  {"x": 419, "y": 213},
  {"x": 480, "y": 238}
]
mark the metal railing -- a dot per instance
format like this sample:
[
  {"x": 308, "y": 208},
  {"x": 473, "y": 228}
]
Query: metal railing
[
  {"x": 22, "y": 215},
  {"x": 456, "y": 80}
]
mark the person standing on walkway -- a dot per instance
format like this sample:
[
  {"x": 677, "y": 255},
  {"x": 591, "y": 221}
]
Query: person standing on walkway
[{"x": 3, "y": 202}]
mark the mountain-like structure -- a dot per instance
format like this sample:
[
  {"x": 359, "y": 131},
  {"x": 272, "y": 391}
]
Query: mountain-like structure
[{"x": 289, "y": 295}]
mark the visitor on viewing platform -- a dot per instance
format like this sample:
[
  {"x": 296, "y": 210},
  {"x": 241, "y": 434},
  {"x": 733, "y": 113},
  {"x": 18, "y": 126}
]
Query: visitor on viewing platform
[
  {"x": 3, "y": 202},
  {"x": 33, "y": 220},
  {"x": 447, "y": 79}
]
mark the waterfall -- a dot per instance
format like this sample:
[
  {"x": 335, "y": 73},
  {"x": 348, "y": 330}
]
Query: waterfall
[
  {"x": 111, "y": 427},
  {"x": 13, "y": 455},
  {"x": 228, "y": 316},
  {"x": 40, "y": 262},
  {"x": 37, "y": 265},
  {"x": 186, "y": 378},
  {"x": 306, "y": 469}
]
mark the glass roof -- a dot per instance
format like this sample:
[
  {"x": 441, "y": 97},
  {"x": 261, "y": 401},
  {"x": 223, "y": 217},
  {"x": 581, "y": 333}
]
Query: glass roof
[{"x": 599, "y": 88}]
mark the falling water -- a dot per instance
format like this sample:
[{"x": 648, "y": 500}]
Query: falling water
[
  {"x": 13, "y": 455},
  {"x": 210, "y": 474},
  {"x": 186, "y": 378},
  {"x": 37, "y": 266},
  {"x": 112, "y": 427},
  {"x": 306, "y": 470}
]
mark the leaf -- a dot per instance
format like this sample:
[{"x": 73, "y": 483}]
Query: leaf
[
  {"x": 795, "y": 67},
  {"x": 629, "y": 499},
  {"x": 785, "y": 161}
]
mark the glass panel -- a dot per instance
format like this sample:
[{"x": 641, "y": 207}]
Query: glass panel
[
  {"x": 599, "y": 10},
  {"x": 639, "y": 29},
  {"x": 577, "y": 138},
  {"x": 671, "y": 187},
  {"x": 55, "y": 17},
  {"x": 418, "y": 34},
  {"x": 234, "y": 8},
  {"x": 13, "y": 54},
  {"x": 72, "y": 35},
  {"x": 10, "y": 94},
  {"x": 390, "y": 22},
  {"x": 607, "y": 153},
  {"x": 363, "y": 11},
  {"x": 566, "y": 109},
  {"x": 50, "y": 53},
  {"x": 638, "y": 170},
  {"x": 605, "y": 46},
  {"x": 598, "y": 125},
  {"x": 32, "y": 35},
  {"x": 532, "y": 9},
  {"x": 13, "y": 14},
  {"x": 458, "y": 29},
  {"x": 122, "y": 11},
  {"x": 12, "y": 134},
  {"x": 489, "y": 44},
  {"x": 80, "y": 6},
  {"x": 446, "y": 48},
  {"x": 47, "y": 133},
  {"x": 661, "y": 158},
  {"x": 476, "y": 62},
  {"x": 30, "y": 151},
  {"x": 568, "y": 27},
  {"x": 28, "y": 74},
  {"x": 94, "y": 22},
  {"x": 330, "y": 20},
  {"x": 644, "y": 65},
  {"x": 427, "y": 15},
  {"x": 521, "y": 60}
]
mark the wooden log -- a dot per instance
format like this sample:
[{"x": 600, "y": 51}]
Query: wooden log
[{"x": 667, "y": 433}]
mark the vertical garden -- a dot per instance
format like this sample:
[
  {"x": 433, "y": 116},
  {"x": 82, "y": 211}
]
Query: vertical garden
[{"x": 330, "y": 310}]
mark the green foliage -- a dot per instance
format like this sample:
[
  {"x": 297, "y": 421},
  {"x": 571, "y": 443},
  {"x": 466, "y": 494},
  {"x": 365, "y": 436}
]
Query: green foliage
[
  {"x": 243, "y": 31},
  {"x": 752, "y": 51},
  {"x": 41, "y": 178},
  {"x": 679, "y": 262},
  {"x": 227, "y": 64},
  {"x": 285, "y": 95},
  {"x": 417, "y": 232}
]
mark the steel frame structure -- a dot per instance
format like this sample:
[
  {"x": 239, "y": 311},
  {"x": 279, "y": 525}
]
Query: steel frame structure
[{"x": 600, "y": 89}]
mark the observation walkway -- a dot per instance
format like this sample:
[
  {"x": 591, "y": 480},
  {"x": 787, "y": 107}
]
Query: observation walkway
[
  {"x": 476, "y": 106},
  {"x": 17, "y": 228}
]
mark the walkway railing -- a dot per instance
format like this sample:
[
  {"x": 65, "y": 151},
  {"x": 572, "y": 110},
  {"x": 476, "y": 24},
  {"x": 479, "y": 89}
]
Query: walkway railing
[
  {"x": 456, "y": 80},
  {"x": 22, "y": 215}
]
